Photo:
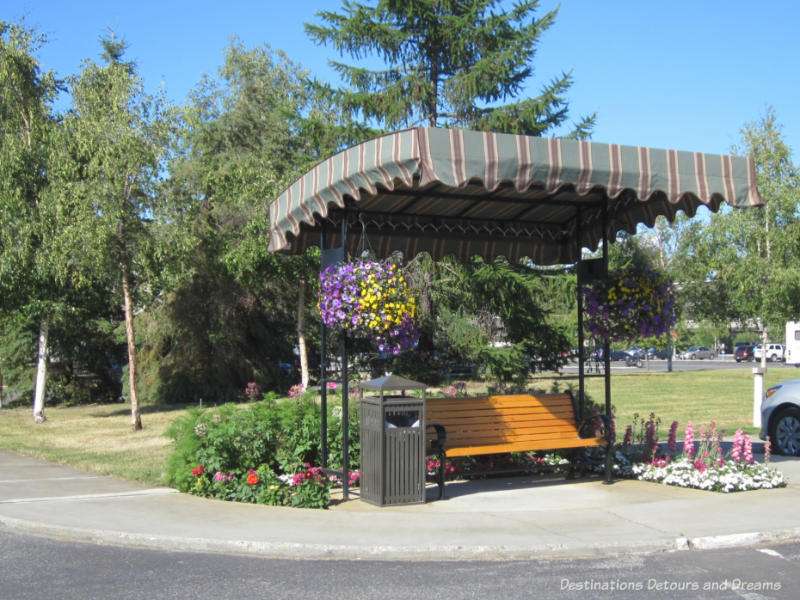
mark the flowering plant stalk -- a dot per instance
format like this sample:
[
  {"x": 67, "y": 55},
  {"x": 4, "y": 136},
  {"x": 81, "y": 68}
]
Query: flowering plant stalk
[
  {"x": 706, "y": 468},
  {"x": 630, "y": 304},
  {"x": 310, "y": 488},
  {"x": 370, "y": 299}
]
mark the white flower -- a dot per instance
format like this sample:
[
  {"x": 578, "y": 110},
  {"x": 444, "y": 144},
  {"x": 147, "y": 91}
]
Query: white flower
[{"x": 728, "y": 477}]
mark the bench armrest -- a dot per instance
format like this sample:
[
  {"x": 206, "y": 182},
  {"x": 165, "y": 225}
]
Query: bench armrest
[
  {"x": 441, "y": 436},
  {"x": 588, "y": 423}
]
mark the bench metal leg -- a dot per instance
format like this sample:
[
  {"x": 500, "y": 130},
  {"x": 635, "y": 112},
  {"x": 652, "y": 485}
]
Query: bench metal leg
[
  {"x": 440, "y": 482},
  {"x": 609, "y": 479}
]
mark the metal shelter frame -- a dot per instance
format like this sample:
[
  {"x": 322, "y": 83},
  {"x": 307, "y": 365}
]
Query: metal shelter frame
[{"x": 465, "y": 193}]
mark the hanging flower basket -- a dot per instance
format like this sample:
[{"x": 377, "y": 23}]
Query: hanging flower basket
[
  {"x": 369, "y": 299},
  {"x": 630, "y": 304}
]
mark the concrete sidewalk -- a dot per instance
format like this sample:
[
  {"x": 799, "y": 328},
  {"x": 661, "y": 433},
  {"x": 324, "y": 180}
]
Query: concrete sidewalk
[{"x": 512, "y": 518}]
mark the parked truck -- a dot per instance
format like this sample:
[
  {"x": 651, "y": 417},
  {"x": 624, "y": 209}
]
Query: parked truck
[{"x": 792, "y": 350}]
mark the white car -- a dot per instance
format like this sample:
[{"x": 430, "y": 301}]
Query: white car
[
  {"x": 774, "y": 352},
  {"x": 780, "y": 417}
]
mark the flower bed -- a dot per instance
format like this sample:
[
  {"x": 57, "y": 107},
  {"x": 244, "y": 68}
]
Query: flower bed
[
  {"x": 728, "y": 477},
  {"x": 260, "y": 453},
  {"x": 700, "y": 463}
]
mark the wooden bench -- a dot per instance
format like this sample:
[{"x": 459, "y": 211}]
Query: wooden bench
[{"x": 512, "y": 423}]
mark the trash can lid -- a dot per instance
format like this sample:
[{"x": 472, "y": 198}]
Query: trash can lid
[{"x": 392, "y": 383}]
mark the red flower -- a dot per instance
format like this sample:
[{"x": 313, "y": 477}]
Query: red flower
[
  {"x": 252, "y": 479},
  {"x": 198, "y": 470}
]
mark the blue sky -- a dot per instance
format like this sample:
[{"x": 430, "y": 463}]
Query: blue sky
[{"x": 684, "y": 74}]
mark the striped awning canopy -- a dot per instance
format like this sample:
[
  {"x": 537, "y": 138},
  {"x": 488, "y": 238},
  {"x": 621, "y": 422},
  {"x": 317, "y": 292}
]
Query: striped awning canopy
[{"x": 465, "y": 193}]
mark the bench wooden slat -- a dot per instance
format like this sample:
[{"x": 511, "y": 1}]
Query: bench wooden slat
[
  {"x": 465, "y": 437},
  {"x": 503, "y": 421},
  {"x": 479, "y": 438},
  {"x": 524, "y": 400},
  {"x": 566, "y": 413},
  {"x": 526, "y": 446}
]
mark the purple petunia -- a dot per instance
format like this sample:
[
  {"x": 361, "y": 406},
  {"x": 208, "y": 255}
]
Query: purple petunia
[
  {"x": 628, "y": 305},
  {"x": 371, "y": 300}
]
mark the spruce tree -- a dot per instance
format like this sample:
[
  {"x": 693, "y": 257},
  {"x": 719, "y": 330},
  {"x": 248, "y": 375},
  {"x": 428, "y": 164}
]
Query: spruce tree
[{"x": 447, "y": 63}]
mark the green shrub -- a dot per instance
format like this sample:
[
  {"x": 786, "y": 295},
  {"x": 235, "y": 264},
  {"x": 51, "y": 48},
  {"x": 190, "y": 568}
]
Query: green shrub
[{"x": 260, "y": 452}]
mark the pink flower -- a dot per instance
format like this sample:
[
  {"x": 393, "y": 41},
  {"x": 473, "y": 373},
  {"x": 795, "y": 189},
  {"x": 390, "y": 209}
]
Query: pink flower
[
  {"x": 332, "y": 385},
  {"x": 688, "y": 440},
  {"x": 673, "y": 431},
  {"x": 748, "y": 450},
  {"x": 738, "y": 443},
  {"x": 252, "y": 391}
]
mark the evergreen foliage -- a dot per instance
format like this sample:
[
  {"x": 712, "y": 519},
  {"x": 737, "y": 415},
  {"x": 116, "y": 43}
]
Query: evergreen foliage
[
  {"x": 446, "y": 63},
  {"x": 498, "y": 316}
]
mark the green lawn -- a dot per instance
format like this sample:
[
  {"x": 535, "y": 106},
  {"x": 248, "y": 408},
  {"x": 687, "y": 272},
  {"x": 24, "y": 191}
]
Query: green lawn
[
  {"x": 95, "y": 438},
  {"x": 724, "y": 396},
  {"x": 98, "y": 438}
]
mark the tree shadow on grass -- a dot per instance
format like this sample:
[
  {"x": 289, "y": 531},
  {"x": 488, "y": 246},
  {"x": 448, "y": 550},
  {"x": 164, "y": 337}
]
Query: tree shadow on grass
[{"x": 145, "y": 410}]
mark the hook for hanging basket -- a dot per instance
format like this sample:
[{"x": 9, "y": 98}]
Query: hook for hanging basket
[{"x": 367, "y": 253}]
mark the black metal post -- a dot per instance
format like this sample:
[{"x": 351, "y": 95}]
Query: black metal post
[
  {"x": 607, "y": 348},
  {"x": 345, "y": 424},
  {"x": 606, "y": 345},
  {"x": 581, "y": 358},
  {"x": 345, "y": 392},
  {"x": 323, "y": 372}
]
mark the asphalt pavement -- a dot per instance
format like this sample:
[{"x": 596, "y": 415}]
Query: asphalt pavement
[{"x": 521, "y": 517}]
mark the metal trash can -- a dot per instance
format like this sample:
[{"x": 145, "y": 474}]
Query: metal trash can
[{"x": 392, "y": 443}]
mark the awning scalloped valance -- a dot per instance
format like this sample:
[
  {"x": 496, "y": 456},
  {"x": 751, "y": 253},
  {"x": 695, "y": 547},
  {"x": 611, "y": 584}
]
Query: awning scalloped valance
[{"x": 451, "y": 191}]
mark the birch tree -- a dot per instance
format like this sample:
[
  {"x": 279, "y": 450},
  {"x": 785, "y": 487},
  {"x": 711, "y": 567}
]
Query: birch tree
[
  {"x": 110, "y": 174},
  {"x": 26, "y": 95}
]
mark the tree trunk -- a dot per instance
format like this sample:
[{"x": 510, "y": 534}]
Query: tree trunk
[
  {"x": 136, "y": 417},
  {"x": 301, "y": 336},
  {"x": 41, "y": 373}
]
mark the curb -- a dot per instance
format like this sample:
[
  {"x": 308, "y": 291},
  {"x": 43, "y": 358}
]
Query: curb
[{"x": 443, "y": 553}]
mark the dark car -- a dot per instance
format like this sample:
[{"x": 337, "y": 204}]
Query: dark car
[
  {"x": 655, "y": 353},
  {"x": 636, "y": 352},
  {"x": 743, "y": 353}
]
